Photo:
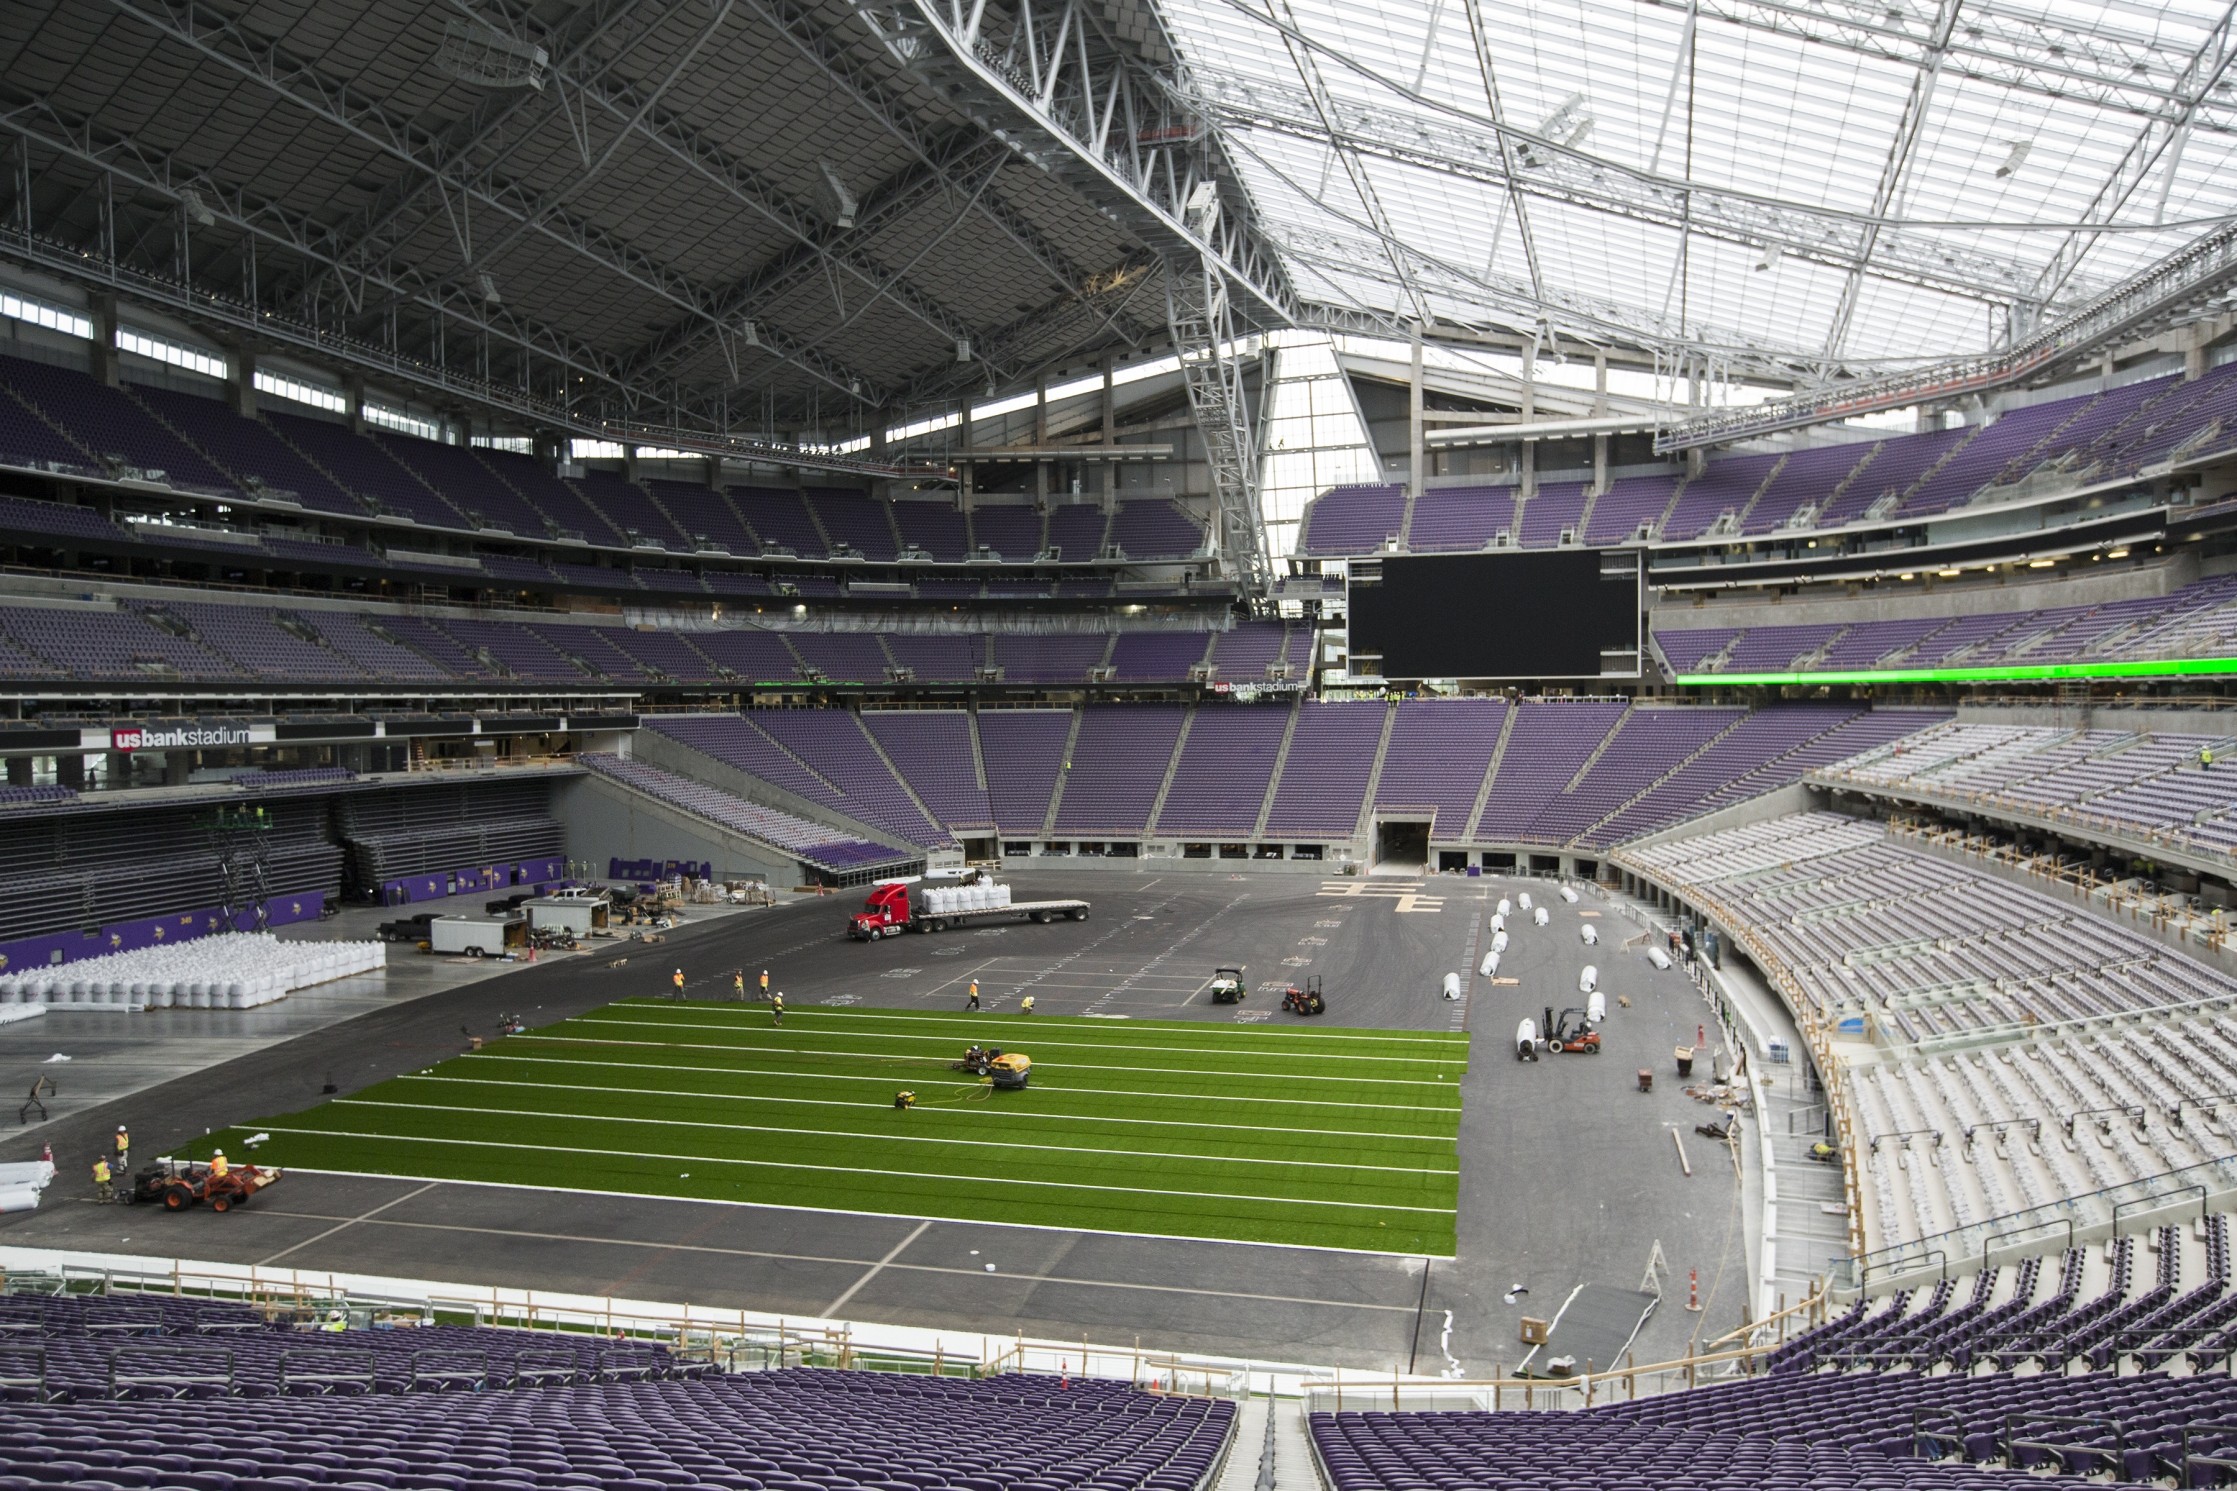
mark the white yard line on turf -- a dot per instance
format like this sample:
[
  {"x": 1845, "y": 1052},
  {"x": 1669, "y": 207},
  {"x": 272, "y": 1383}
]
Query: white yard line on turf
[
  {"x": 904, "y": 1021},
  {"x": 1051, "y": 1042},
  {"x": 936, "y": 1111},
  {"x": 773, "y": 1128},
  {"x": 1090, "y": 1066},
  {"x": 477, "y": 1058},
  {"x": 990, "y": 1180}
]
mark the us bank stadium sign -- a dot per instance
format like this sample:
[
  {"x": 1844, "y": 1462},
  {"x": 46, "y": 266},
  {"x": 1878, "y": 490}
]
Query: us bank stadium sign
[{"x": 186, "y": 737}]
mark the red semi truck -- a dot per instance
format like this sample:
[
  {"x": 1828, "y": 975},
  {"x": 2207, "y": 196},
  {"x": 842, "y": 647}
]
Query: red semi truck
[{"x": 909, "y": 905}]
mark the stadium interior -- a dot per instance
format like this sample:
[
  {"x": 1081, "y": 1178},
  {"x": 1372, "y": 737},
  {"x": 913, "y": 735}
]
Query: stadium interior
[{"x": 878, "y": 745}]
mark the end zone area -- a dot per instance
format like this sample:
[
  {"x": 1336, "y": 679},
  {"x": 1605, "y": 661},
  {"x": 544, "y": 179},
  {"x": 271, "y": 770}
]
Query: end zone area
[{"x": 1317, "y": 1137}]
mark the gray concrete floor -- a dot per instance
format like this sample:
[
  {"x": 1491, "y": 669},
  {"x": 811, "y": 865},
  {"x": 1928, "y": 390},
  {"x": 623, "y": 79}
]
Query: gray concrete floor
[
  {"x": 114, "y": 1054},
  {"x": 1569, "y": 1174}
]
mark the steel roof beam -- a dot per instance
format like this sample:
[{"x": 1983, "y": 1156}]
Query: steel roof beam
[
  {"x": 269, "y": 223},
  {"x": 1448, "y": 147},
  {"x": 1512, "y": 307},
  {"x": 2199, "y": 279},
  {"x": 213, "y": 37},
  {"x": 2027, "y": 51},
  {"x": 389, "y": 218},
  {"x": 1363, "y": 185},
  {"x": 1887, "y": 192},
  {"x": 642, "y": 115},
  {"x": 2205, "y": 71},
  {"x": 816, "y": 40},
  {"x": 1047, "y": 77}
]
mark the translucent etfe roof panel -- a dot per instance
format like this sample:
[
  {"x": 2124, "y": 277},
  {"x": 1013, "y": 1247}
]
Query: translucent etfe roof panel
[{"x": 1869, "y": 182}]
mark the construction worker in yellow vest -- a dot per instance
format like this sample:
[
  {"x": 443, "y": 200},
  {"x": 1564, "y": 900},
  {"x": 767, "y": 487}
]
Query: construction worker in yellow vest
[
  {"x": 1025, "y": 1006},
  {"x": 219, "y": 1169},
  {"x": 124, "y": 1149},
  {"x": 101, "y": 1185},
  {"x": 738, "y": 984},
  {"x": 973, "y": 1002},
  {"x": 677, "y": 979},
  {"x": 764, "y": 983}
]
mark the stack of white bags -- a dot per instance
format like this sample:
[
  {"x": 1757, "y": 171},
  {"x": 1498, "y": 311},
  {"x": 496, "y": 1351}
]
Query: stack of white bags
[
  {"x": 231, "y": 971},
  {"x": 954, "y": 900}
]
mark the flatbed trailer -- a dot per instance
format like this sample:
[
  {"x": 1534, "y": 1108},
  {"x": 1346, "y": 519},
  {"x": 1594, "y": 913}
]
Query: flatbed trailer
[{"x": 890, "y": 910}]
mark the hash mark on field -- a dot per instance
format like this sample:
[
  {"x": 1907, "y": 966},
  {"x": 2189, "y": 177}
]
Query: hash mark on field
[
  {"x": 901, "y": 973},
  {"x": 1297, "y": 962},
  {"x": 841, "y": 999},
  {"x": 1337, "y": 922},
  {"x": 1312, "y": 942},
  {"x": 1252, "y": 1017}
]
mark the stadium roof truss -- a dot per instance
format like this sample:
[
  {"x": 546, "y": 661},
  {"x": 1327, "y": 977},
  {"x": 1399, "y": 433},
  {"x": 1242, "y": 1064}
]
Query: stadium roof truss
[
  {"x": 1818, "y": 189},
  {"x": 752, "y": 220}
]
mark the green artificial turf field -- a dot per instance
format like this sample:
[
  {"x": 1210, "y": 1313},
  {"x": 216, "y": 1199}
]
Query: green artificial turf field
[{"x": 1252, "y": 1133}]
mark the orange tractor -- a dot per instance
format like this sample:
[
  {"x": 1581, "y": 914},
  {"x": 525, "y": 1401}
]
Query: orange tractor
[{"x": 176, "y": 1185}]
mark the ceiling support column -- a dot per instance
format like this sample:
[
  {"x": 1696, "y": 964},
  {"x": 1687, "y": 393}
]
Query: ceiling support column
[{"x": 1417, "y": 449}]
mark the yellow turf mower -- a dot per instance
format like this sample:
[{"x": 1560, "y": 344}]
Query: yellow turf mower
[{"x": 1010, "y": 1069}]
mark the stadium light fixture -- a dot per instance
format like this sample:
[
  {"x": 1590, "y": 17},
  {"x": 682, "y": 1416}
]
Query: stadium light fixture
[
  {"x": 1770, "y": 259},
  {"x": 2012, "y": 162},
  {"x": 839, "y": 204},
  {"x": 477, "y": 53},
  {"x": 962, "y": 349},
  {"x": 488, "y": 283},
  {"x": 197, "y": 209}
]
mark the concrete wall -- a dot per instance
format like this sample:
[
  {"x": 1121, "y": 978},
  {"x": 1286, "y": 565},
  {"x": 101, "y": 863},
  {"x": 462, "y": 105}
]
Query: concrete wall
[
  {"x": 2080, "y": 585},
  {"x": 606, "y": 820}
]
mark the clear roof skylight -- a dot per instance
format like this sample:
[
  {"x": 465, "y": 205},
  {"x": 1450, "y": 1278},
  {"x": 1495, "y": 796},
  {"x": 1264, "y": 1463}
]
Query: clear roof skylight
[{"x": 1718, "y": 170}]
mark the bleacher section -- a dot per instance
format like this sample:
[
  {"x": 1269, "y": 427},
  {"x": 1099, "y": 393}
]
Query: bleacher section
[
  {"x": 2154, "y": 787},
  {"x": 1995, "y": 1012},
  {"x": 132, "y": 876},
  {"x": 2079, "y": 441},
  {"x": 607, "y": 1426},
  {"x": 208, "y": 642},
  {"x": 1572, "y": 774},
  {"x": 2197, "y": 620},
  {"x": 792, "y": 836},
  {"x": 399, "y": 842},
  {"x": 122, "y": 1350}
]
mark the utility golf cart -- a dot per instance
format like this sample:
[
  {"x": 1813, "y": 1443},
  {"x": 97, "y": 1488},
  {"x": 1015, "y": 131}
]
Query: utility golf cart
[{"x": 1228, "y": 986}]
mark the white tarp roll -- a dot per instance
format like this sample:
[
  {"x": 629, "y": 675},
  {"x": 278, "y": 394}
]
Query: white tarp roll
[
  {"x": 1539, "y": 916},
  {"x": 1490, "y": 965},
  {"x": 1526, "y": 1039},
  {"x": 33, "y": 1173},
  {"x": 1590, "y": 934},
  {"x": 1658, "y": 957},
  {"x": 1505, "y": 906},
  {"x": 1596, "y": 1007},
  {"x": 1452, "y": 986},
  {"x": 1524, "y": 900},
  {"x": 1569, "y": 895},
  {"x": 18, "y": 1198},
  {"x": 1588, "y": 980},
  {"x": 1499, "y": 924},
  {"x": 1498, "y": 942}
]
